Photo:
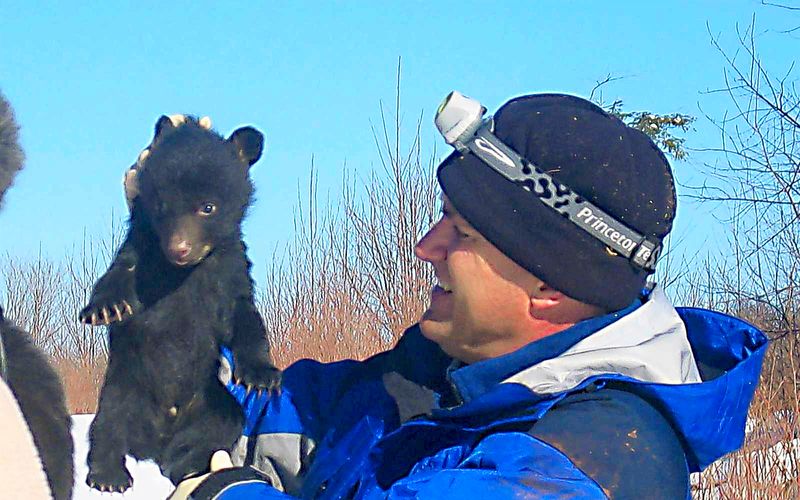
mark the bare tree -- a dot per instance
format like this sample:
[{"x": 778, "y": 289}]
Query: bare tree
[
  {"x": 758, "y": 182},
  {"x": 43, "y": 296},
  {"x": 349, "y": 282},
  {"x": 32, "y": 291},
  {"x": 755, "y": 184}
]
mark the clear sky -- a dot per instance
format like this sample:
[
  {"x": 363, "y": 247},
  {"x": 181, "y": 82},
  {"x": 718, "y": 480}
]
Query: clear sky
[{"x": 89, "y": 80}]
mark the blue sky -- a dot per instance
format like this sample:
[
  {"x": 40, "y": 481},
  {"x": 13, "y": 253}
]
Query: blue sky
[{"x": 89, "y": 82}]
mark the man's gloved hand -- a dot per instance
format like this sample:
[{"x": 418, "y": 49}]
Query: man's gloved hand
[
  {"x": 223, "y": 476},
  {"x": 220, "y": 460}
]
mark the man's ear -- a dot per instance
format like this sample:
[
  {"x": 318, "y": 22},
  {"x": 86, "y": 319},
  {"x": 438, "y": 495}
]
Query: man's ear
[
  {"x": 543, "y": 298},
  {"x": 549, "y": 304},
  {"x": 249, "y": 144}
]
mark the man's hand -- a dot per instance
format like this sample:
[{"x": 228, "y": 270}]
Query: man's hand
[{"x": 220, "y": 460}]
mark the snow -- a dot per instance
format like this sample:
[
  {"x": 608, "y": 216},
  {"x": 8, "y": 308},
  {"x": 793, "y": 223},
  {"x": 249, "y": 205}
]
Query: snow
[
  {"x": 769, "y": 461},
  {"x": 148, "y": 483}
]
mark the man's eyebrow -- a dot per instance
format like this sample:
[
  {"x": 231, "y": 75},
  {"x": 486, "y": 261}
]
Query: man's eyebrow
[{"x": 456, "y": 218}]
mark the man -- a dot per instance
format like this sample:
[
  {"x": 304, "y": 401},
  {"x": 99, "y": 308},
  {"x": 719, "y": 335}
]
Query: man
[{"x": 544, "y": 367}]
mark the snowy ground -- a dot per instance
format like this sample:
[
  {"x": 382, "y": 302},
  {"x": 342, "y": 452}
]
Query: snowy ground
[{"x": 148, "y": 483}]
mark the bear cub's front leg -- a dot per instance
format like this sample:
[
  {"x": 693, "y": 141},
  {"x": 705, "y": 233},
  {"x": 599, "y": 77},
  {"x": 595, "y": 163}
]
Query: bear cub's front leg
[
  {"x": 253, "y": 362},
  {"x": 114, "y": 295}
]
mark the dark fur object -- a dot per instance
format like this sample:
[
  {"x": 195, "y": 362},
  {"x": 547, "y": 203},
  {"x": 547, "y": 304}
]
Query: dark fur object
[
  {"x": 41, "y": 398},
  {"x": 184, "y": 271},
  {"x": 11, "y": 156},
  {"x": 34, "y": 383}
]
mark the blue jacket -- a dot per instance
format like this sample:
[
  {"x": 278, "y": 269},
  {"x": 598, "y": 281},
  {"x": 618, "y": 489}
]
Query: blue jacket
[{"x": 622, "y": 406}]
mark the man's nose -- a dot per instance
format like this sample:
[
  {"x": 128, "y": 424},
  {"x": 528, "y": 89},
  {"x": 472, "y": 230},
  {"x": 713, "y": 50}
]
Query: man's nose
[{"x": 433, "y": 246}]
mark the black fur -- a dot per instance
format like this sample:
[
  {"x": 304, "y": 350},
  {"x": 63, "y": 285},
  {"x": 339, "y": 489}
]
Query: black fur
[
  {"x": 11, "y": 156},
  {"x": 41, "y": 398},
  {"x": 165, "y": 354},
  {"x": 34, "y": 383}
]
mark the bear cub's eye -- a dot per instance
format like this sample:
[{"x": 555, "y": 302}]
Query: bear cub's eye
[{"x": 207, "y": 209}]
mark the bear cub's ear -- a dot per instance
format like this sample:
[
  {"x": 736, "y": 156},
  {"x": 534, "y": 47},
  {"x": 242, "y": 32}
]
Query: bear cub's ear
[{"x": 249, "y": 144}]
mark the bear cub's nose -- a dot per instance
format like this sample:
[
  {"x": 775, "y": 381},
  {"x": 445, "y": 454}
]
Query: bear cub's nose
[{"x": 179, "y": 249}]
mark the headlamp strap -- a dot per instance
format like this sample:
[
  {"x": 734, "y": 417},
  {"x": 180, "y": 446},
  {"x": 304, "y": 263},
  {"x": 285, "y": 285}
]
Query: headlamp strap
[{"x": 640, "y": 250}]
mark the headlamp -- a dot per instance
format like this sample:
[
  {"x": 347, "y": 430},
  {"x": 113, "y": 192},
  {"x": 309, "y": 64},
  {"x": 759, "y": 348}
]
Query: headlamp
[
  {"x": 458, "y": 117},
  {"x": 460, "y": 120}
]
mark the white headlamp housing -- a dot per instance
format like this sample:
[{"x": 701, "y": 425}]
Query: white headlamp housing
[{"x": 458, "y": 117}]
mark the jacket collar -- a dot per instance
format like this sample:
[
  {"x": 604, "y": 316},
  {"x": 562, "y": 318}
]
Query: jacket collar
[
  {"x": 648, "y": 345},
  {"x": 472, "y": 381}
]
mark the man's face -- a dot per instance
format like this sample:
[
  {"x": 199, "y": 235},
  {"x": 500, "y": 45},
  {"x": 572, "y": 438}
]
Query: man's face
[{"x": 480, "y": 307}]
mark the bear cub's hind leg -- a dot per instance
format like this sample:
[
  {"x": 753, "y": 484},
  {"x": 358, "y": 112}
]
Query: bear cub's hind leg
[{"x": 106, "y": 460}]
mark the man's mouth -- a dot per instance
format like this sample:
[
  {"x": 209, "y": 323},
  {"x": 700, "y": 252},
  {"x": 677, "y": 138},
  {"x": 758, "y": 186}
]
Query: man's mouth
[
  {"x": 441, "y": 303},
  {"x": 441, "y": 288}
]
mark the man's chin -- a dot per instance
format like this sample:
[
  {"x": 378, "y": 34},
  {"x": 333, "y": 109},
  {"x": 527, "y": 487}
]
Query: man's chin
[
  {"x": 439, "y": 332},
  {"x": 434, "y": 329}
]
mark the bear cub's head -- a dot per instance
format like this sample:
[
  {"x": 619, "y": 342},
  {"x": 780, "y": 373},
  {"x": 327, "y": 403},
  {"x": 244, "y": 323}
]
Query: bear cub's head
[{"x": 194, "y": 187}]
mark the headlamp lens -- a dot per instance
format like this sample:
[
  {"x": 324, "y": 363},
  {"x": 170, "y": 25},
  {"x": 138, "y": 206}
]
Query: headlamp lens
[
  {"x": 458, "y": 117},
  {"x": 444, "y": 103}
]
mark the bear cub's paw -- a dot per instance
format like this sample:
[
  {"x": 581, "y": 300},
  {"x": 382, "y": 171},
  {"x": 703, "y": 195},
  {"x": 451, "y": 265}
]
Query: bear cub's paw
[
  {"x": 113, "y": 299},
  {"x": 113, "y": 480},
  {"x": 256, "y": 374}
]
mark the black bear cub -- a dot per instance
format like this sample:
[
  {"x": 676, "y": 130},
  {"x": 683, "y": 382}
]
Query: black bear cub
[{"x": 179, "y": 288}]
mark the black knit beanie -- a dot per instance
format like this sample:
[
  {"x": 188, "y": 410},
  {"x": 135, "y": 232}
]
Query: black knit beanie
[{"x": 615, "y": 167}]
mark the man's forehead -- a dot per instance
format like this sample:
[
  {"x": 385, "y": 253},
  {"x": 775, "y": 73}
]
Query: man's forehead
[{"x": 447, "y": 206}]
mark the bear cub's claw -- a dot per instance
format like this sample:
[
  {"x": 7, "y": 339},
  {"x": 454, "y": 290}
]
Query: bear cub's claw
[
  {"x": 112, "y": 481},
  {"x": 113, "y": 299},
  {"x": 96, "y": 315},
  {"x": 257, "y": 375}
]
